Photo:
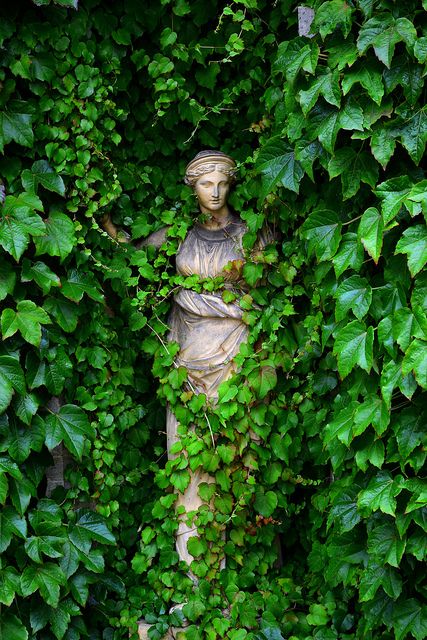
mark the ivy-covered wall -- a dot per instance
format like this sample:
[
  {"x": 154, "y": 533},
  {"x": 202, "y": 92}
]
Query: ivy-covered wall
[{"x": 319, "y": 449}]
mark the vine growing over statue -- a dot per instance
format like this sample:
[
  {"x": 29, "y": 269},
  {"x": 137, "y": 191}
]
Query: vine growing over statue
[{"x": 101, "y": 108}]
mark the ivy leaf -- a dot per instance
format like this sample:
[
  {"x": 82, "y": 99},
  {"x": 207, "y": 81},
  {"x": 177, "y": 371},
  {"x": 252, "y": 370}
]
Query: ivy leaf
[
  {"x": 385, "y": 542},
  {"x": 350, "y": 255},
  {"x": 65, "y": 313},
  {"x": 383, "y": 144},
  {"x": 17, "y": 224},
  {"x": 11, "y": 378},
  {"x": 70, "y": 425},
  {"x": 351, "y": 116},
  {"x": 42, "y": 173},
  {"x": 353, "y": 293},
  {"x": 77, "y": 284},
  {"x": 414, "y": 135},
  {"x": 413, "y": 243},
  {"x": 11, "y": 524},
  {"x": 409, "y": 616},
  {"x": 40, "y": 273},
  {"x": 263, "y": 380},
  {"x": 416, "y": 360},
  {"x": 343, "y": 513},
  {"x": 375, "y": 576},
  {"x": 370, "y": 232},
  {"x": 322, "y": 229},
  {"x": 7, "y": 279},
  {"x": 407, "y": 324},
  {"x": 409, "y": 432},
  {"x": 265, "y": 503},
  {"x": 379, "y": 495},
  {"x": 383, "y": 33},
  {"x": 9, "y": 585},
  {"x": 393, "y": 194},
  {"x": 59, "y": 237},
  {"x": 46, "y": 578},
  {"x": 94, "y": 525},
  {"x": 27, "y": 319},
  {"x": 353, "y": 167},
  {"x": 277, "y": 165},
  {"x": 326, "y": 85},
  {"x": 354, "y": 346},
  {"x": 373, "y": 411},
  {"x": 327, "y": 129},
  {"x": 16, "y": 126},
  {"x": 332, "y": 14},
  {"x": 369, "y": 77},
  {"x": 12, "y": 627}
]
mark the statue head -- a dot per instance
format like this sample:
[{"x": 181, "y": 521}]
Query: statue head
[{"x": 207, "y": 162}]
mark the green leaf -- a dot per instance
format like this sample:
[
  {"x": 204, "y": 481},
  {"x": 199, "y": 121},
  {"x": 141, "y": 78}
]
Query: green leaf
[
  {"x": 393, "y": 194},
  {"x": 369, "y": 77},
  {"x": 40, "y": 273},
  {"x": 95, "y": 526},
  {"x": 265, "y": 503},
  {"x": 277, "y": 165},
  {"x": 340, "y": 427},
  {"x": 263, "y": 380},
  {"x": 408, "y": 324},
  {"x": 327, "y": 129},
  {"x": 330, "y": 15},
  {"x": 9, "y": 586},
  {"x": 64, "y": 312},
  {"x": 354, "y": 168},
  {"x": 11, "y": 627},
  {"x": 17, "y": 224},
  {"x": 409, "y": 616},
  {"x": 409, "y": 432},
  {"x": 416, "y": 360},
  {"x": 27, "y": 319},
  {"x": 46, "y": 578},
  {"x": 379, "y": 495},
  {"x": 383, "y": 144},
  {"x": 350, "y": 255},
  {"x": 353, "y": 293},
  {"x": 373, "y": 411},
  {"x": 385, "y": 543},
  {"x": 375, "y": 576},
  {"x": 59, "y": 238},
  {"x": 383, "y": 33},
  {"x": 351, "y": 116},
  {"x": 343, "y": 513},
  {"x": 11, "y": 524},
  {"x": 78, "y": 283},
  {"x": 42, "y": 173},
  {"x": 413, "y": 243},
  {"x": 327, "y": 85},
  {"x": 16, "y": 126},
  {"x": 370, "y": 232},
  {"x": 11, "y": 378},
  {"x": 353, "y": 346},
  {"x": 7, "y": 279},
  {"x": 414, "y": 135},
  {"x": 322, "y": 229},
  {"x": 70, "y": 425}
]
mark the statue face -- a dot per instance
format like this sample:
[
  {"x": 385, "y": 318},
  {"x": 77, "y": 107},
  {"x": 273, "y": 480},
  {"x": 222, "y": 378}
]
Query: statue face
[{"x": 212, "y": 190}]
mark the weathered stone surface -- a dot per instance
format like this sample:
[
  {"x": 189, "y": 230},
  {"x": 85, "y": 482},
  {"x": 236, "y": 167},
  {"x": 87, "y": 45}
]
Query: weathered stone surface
[{"x": 305, "y": 19}]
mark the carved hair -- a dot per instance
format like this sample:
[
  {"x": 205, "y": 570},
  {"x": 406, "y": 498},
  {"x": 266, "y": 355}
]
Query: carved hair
[{"x": 207, "y": 161}]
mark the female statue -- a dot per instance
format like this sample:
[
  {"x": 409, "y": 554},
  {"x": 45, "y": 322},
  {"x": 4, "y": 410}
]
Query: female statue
[{"x": 208, "y": 330}]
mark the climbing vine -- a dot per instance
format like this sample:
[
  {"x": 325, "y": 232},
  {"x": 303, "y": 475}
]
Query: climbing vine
[{"x": 317, "y": 445}]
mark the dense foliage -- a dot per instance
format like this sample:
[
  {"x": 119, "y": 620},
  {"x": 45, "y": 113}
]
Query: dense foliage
[{"x": 317, "y": 445}]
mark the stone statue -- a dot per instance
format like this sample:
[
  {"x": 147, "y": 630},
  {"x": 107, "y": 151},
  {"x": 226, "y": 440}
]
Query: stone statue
[{"x": 208, "y": 330}]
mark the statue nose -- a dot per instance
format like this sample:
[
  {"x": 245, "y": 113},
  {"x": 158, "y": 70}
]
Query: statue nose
[{"x": 215, "y": 191}]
